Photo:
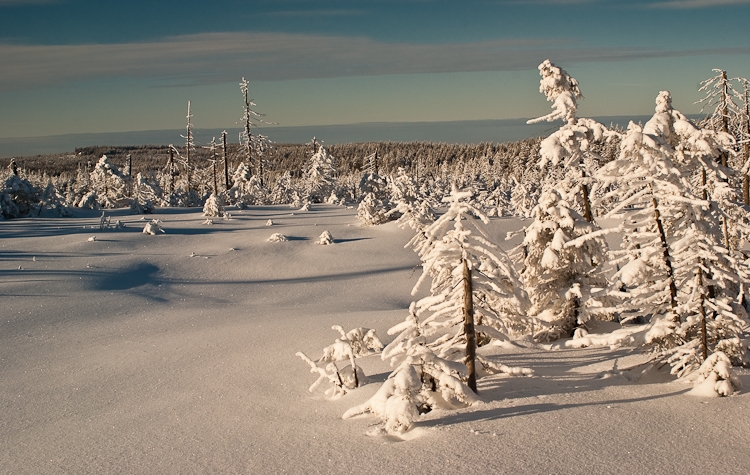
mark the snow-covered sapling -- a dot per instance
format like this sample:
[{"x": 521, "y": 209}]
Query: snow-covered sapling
[
  {"x": 214, "y": 206},
  {"x": 325, "y": 238},
  {"x": 421, "y": 382},
  {"x": 359, "y": 341}
]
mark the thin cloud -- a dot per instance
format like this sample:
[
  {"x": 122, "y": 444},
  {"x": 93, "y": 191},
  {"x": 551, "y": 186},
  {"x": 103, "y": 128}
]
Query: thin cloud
[
  {"x": 692, "y": 4},
  {"x": 8, "y": 3},
  {"x": 218, "y": 57},
  {"x": 315, "y": 13}
]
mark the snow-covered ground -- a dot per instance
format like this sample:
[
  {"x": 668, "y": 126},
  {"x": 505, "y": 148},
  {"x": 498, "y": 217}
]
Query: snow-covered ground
[{"x": 175, "y": 353}]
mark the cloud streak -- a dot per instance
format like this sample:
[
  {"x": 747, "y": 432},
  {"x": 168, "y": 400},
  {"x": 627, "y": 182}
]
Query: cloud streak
[
  {"x": 218, "y": 57},
  {"x": 693, "y": 4}
]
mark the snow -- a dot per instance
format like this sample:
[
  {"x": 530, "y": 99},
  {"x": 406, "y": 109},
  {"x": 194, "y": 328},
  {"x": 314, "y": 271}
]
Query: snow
[{"x": 127, "y": 356}]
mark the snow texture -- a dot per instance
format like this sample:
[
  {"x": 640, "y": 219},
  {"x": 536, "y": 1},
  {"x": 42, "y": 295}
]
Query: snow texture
[{"x": 126, "y": 356}]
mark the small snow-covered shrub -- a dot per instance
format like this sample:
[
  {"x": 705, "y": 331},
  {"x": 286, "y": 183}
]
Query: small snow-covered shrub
[
  {"x": 277, "y": 237},
  {"x": 364, "y": 341},
  {"x": 153, "y": 227},
  {"x": 349, "y": 377},
  {"x": 325, "y": 238},
  {"x": 715, "y": 377},
  {"x": 422, "y": 381}
]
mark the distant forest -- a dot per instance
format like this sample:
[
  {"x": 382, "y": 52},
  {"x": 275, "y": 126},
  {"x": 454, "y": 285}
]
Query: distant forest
[{"x": 350, "y": 157}]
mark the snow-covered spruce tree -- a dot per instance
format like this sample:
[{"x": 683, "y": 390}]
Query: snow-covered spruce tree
[
  {"x": 496, "y": 202},
  {"x": 719, "y": 99},
  {"x": 676, "y": 273},
  {"x": 474, "y": 287},
  {"x": 145, "y": 194},
  {"x": 320, "y": 176},
  {"x": 412, "y": 208},
  {"x": 284, "y": 190},
  {"x": 79, "y": 186},
  {"x": 647, "y": 191},
  {"x": 53, "y": 200},
  {"x": 475, "y": 296},
  {"x": 709, "y": 279},
  {"x": 18, "y": 195},
  {"x": 569, "y": 147},
  {"x": 109, "y": 184},
  {"x": 563, "y": 258},
  {"x": 214, "y": 205},
  {"x": 241, "y": 192},
  {"x": 374, "y": 202},
  {"x": 523, "y": 198}
]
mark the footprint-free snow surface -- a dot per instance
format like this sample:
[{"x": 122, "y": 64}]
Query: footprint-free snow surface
[{"x": 175, "y": 353}]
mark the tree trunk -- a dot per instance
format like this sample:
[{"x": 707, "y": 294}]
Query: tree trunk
[
  {"x": 188, "y": 144},
  {"x": 216, "y": 183},
  {"x": 224, "y": 157},
  {"x": 587, "y": 215},
  {"x": 471, "y": 336},
  {"x": 170, "y": 164},
  {"x": 704, "y": 333},
  {"x": 667, "y": 258}
]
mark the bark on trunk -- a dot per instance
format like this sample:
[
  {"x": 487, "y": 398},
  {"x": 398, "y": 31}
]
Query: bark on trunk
[
  {"x": 224, "y": 157},
  {"x": 471, "y": 337},
  {"x": 704, "y": 333},
  {"x": 667, "y": 258}
]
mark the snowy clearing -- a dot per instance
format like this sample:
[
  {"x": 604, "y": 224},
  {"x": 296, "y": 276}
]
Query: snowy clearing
[{"x": 175, "y": 353}]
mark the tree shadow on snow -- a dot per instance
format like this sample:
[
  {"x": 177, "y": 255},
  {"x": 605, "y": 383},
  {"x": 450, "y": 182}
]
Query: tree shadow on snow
[
  {"x": 530, "y": 409},
  {"x": 337, "y": 241},
  {"x": 126, "y": 279}
]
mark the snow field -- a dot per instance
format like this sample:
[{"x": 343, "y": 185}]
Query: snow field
[{"x": 127, "y": 355}]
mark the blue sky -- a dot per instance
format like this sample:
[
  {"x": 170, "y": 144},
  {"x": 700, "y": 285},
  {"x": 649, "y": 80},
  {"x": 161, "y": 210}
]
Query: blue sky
[{"x": 82, "y": 66}]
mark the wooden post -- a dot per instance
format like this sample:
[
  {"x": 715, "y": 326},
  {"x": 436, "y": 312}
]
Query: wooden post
[{"x": 471, "y": 336}]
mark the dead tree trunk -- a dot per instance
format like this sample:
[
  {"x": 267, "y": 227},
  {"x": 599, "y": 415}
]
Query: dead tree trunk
[
  {"x": 225, "y": 159},
  {"x": 170, "y": 169}
]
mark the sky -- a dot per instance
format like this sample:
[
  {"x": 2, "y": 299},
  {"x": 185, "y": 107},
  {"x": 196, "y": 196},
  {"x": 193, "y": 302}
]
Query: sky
[{"x": 94, "y": 66}]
